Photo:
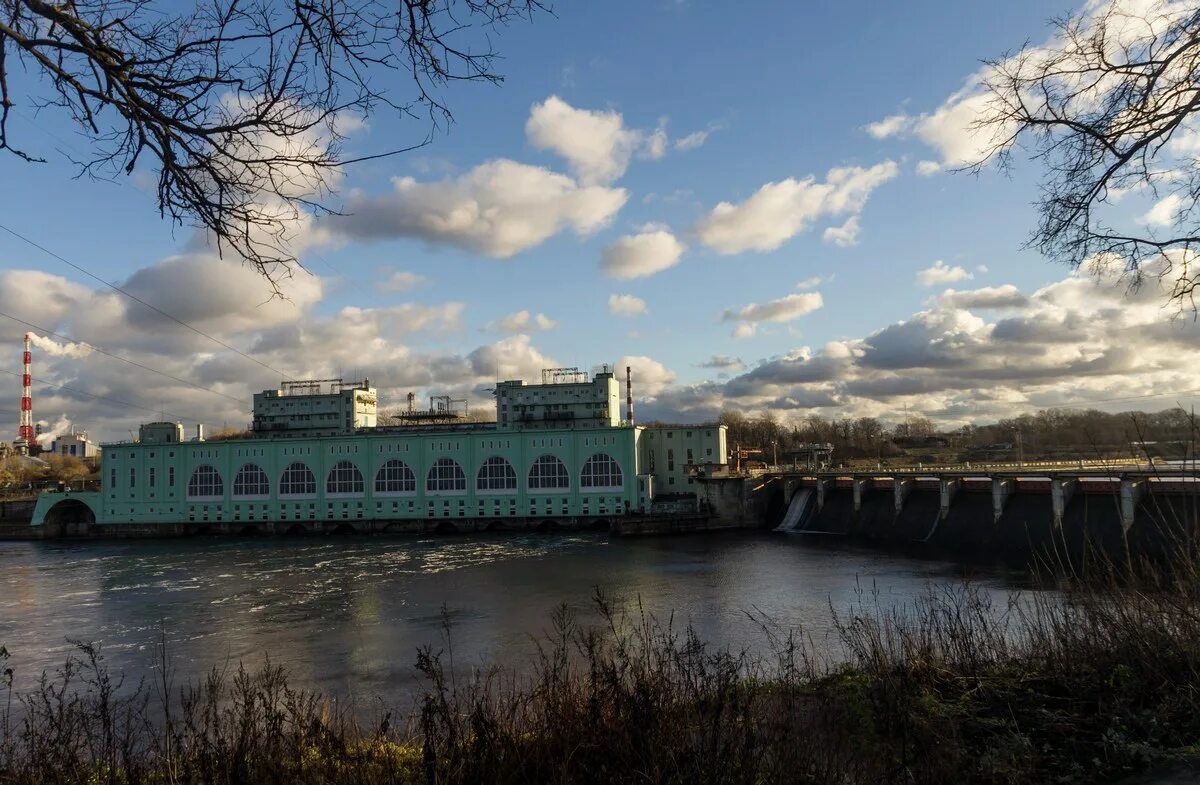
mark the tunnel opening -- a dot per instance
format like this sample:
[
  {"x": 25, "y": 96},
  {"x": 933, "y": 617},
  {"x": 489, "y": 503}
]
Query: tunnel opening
[{"x": 70, "y": 512}]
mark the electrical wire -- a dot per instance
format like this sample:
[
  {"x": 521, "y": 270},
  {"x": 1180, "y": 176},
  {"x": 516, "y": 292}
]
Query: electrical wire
[
  {"x": 137, "y": 299},
  {"x": 99, "y": 397},
  {"x": 134, "y": 363}
]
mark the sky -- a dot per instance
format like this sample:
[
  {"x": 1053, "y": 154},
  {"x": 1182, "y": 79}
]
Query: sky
[{"x": 756, "y": 207}]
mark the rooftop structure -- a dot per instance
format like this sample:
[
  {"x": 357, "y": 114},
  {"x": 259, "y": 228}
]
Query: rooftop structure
[
  {"x": 314, "y": 407},
  {"x": 566, "y": 398}
]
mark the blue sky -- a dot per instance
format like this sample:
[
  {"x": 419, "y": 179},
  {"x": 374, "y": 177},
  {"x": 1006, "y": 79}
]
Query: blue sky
[{"x": 761, "y": 93}]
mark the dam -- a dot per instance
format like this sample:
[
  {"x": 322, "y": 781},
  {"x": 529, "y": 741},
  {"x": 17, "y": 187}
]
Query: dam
[{"x": 1009, "y": 513}]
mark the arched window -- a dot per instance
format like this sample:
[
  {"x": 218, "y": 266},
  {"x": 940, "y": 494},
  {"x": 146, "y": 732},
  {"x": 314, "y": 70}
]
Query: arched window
[
  {"x": 205, "y": 483},
  {"x": 496, "y": 474},
  {"x": 297, "y": 480},
  {"x": 251, "y": 481},
  {"x": 395, "y": 477},
  {"x": 601, "y": 471},
  {"x": 344, "y": 479},
  {"x": 445, "y": 476},
  {"x": 548, "y": 472}
]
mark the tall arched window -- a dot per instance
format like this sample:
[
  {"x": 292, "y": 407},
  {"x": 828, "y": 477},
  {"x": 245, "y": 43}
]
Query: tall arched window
[
  {"x": 205, "y": 483},
  {"x": 395, "y": 478},
  {"x": 496, "y": 474},
  {"x": 251, "y": 481},
  {"x": 548, "y": 472},
  {"x": 297, "y": 480},
  {"x": 601, "y": 471},
  {"x": 445, "y": 476},
  {"x": 344, "y": 480}
]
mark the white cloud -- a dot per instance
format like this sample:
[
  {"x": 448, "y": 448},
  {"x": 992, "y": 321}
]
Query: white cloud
[
  {"x": 521, "y": 322},
  {"x": 640, "y": 255},
  {"x": 1006, "y": 296},
  {"x": 780, "y": 210},
  {"x": 499, "y": 208},
  {"x": 888, "y": 126},
  {"x": 650, "y": 376},
  {"x": 941, "y": 273},
  {"x": 654, "y": 146},
  {"x": 596, "y": 144},
  {"x": 745, "y": 330},
  {"x": 402, "y": 281},
  {"x": 692, "y": 141},
  {"x": 723, "y": 362},
  {"x": 626, "y": 305},
  {"x": 843, "y": 236},
  {"x": 1164, "y": 211},
  {"x": 928, "y": 168},
  {"x": 785, "y": 309}
]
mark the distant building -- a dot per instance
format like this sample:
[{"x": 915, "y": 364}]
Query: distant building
[{"x": 75, "y": 444}]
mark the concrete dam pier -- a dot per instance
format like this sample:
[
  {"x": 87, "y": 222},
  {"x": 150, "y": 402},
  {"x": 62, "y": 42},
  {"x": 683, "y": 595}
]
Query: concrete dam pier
[{"x": 1010, "y": 515}]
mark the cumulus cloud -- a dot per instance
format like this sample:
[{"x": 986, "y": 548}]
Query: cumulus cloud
[
  {"x": 402, "y": 281},
  {"x": 1006, "y": 296},
  {"x": 928, "y": 168},
  {"x": 692, "y": 141},
  {"x": 779, "y": 211},
  {"x": 597, "y": 144},
  {"x": 650, "y": 376},
  {"x": 499, "y": 208},
  {"x": 888, "y": 126},
  {"x": 626, "y": 305},
  {"x": 940, "y": 273},
  {"x": 1164, "y": 211},
  {"x": 520, "y": 322},
  {"x": 640, "y": 255},
  {"x": 785, "y": 309},
  {"x": 1083, "y": 338},
  {"x": 843, "y": 236},
  {"x": 745, "y": 330},
  {"x": 722, "y": 362}
]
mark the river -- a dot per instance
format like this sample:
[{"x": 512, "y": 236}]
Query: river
[{"x": 345, "y": 615}]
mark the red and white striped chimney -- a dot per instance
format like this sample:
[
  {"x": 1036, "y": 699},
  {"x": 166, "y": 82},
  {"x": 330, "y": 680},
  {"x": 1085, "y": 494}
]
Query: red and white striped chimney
[{"x": 25, "y": 429}]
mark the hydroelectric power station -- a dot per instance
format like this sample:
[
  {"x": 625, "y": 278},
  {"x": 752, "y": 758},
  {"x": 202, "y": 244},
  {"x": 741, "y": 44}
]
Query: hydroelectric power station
[{"x": 316, "y": 459}]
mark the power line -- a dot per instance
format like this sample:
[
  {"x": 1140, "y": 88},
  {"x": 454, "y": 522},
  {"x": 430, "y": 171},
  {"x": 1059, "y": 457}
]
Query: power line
[
  {"x": 137, "y": 299},
  {"x": 134, "y": 363},
  {"x": 99, "y": 397}
]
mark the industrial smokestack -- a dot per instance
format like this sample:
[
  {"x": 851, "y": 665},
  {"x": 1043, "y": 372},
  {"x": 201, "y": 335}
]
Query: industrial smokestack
[
  {"x": 25, "y": 428},
  {"x": 629, "y": 394}
]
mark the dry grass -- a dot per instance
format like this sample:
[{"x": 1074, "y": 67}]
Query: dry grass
[{"x": 1050, "y": 688}]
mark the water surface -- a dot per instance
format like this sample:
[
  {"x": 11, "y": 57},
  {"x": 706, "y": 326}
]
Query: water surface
[{"x": 347, "y": 614}]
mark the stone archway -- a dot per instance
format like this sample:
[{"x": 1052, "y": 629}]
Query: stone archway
[{"x": 70, "y": 512}]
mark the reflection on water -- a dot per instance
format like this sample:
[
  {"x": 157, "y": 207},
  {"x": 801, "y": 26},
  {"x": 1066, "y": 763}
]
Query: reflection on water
[{"x": 346, "y": 615}]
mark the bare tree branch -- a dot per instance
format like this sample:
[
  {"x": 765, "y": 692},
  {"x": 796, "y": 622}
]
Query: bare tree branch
[
  {"x": 242, "y": 105},
  {"x": 1108, "y": 108}
]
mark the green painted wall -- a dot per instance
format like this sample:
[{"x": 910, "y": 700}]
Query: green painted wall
[{"x": 147, "y": 483}]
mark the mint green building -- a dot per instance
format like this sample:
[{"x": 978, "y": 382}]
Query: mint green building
[{"x": 316, "y": 460}]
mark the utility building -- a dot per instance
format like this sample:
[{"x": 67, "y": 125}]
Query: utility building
[
  {"x": 566, "y": 398},
  {"x": 319, "y": 407},
  {"x": 316, "y": 460}
]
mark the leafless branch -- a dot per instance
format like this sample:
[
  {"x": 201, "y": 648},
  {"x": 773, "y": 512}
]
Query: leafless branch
[{"x": 242, "y": 105}]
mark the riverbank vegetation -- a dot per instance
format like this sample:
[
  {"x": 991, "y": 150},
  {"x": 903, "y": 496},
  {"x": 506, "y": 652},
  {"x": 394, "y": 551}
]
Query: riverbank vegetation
[
  {"x": 1045, "y": 434},
  {"x": 1081, "y": 685}
]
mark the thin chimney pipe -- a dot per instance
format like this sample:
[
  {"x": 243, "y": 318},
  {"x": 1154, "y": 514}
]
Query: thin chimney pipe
[{"x": 629, "y": 394}]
